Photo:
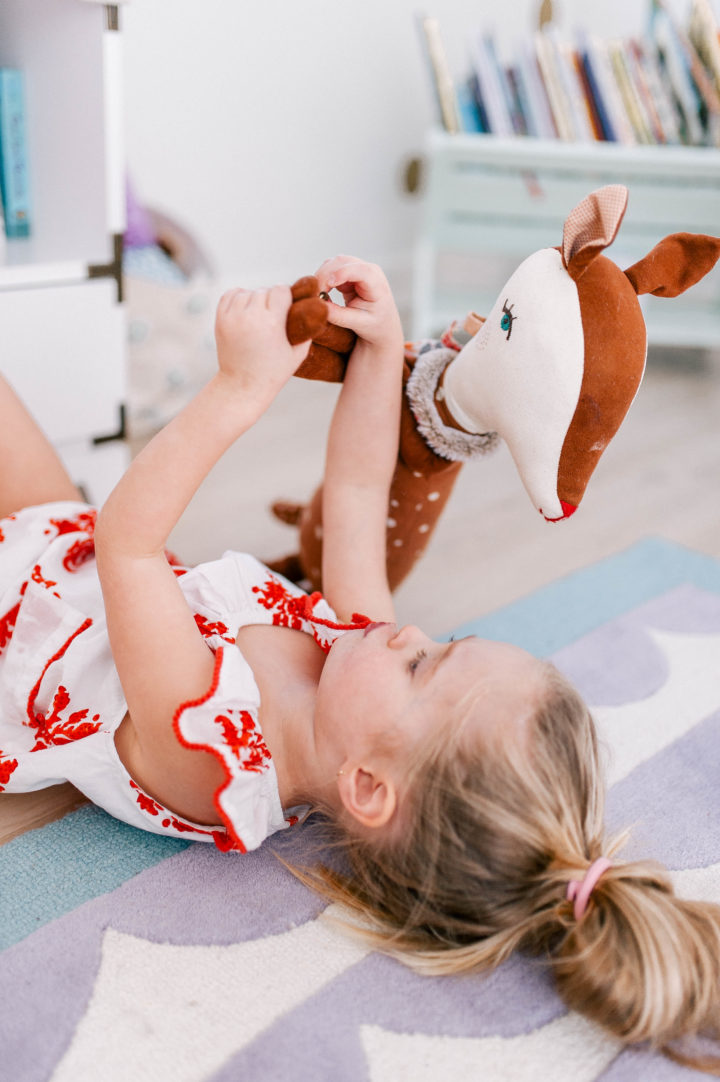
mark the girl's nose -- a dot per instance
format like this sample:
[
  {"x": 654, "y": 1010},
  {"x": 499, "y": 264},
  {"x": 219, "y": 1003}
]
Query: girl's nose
[{"x": 405, "y": 635}]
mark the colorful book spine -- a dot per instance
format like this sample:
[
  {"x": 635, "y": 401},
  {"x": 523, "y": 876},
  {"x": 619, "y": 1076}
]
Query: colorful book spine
[
  {"x": 490, "y": 87},
  {"x": 573, "y": 89},
  {"x": 480, "y": 105},
  {"x": 637, "y": 74},
  {"x": 631, "y": 102},
  {"x": 559, "y": 104},
  {"x": 676, "y": 71},
  {"x": 662, "y": 97},
  {"x": 537, "y": 99},
  {"x": 598, "y": 53},
  {"x": 468, "y": 110},
  {"x": 662, "y": 89},
  {"x": 441, "y": 78},
  {"x": 14, "y": 164},
  {"x": 703, "y": 32},
  {"x": 709, "y": 110},
  {"x": 521, "y": 106}
]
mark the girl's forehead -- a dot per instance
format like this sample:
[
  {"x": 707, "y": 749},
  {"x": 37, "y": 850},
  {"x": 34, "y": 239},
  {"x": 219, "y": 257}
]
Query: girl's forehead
[{"x": 487, "y": 683}]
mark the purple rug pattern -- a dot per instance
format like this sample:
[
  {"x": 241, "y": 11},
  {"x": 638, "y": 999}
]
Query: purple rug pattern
[{"x": 217, "y": 967}]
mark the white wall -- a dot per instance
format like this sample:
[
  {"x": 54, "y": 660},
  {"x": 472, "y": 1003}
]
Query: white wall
[{"x": 277, "y": 131}]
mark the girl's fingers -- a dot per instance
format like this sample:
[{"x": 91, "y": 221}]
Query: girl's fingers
[
  {"x": 229, "y": 298},
  {"x": 355, "y": 319},
  {"x": 345, "y": 271},
  {"x": 278, "y": 299}
]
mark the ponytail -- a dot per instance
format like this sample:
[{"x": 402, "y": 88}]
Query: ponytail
[
  {"x": 643, "y": 963},
  {"x": 491, "y": 840}
]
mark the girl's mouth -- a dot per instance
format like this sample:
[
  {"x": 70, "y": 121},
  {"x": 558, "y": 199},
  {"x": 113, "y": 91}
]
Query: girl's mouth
[{"x": 371, "y": 627}]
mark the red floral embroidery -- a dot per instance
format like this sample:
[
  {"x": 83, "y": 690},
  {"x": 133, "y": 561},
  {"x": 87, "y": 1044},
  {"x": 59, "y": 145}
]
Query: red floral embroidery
[
  {"x": 146, "y": 802},
  {"x": 79, "y": 554},
  {"x": 83, "y": 523},
  {"x": 82, "y": 550},
  {"x": 153, "y": 807},
  {"x": 52, "y": 731},
  {"x": 7, "y": 625},
  {"x": 7, "y": 766},
  {"x": 292, "y": 609},
  {"x": 2, "y": 535},
  {"x": 207, "y": 629},
  {"x": 37, "y": 576},
  {"x": 245, "y": 741}
]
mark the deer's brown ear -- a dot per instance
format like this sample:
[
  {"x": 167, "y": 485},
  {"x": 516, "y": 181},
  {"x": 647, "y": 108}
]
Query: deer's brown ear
[
  {"x": 592, "y": 226},
  {"x": 674, "y": 264}
]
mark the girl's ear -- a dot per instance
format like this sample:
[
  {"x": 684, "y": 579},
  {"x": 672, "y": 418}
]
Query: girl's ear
[{"x": 369, "y": 796}]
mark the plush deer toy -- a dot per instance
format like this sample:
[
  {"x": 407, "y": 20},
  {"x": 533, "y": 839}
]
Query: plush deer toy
[{"x": 552, "y": 370}]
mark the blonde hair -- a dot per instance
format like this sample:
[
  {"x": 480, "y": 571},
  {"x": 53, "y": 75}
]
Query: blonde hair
[{"x": 490, "y": 840}]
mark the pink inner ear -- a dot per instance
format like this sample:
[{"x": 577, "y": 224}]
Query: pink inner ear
[{"x": 592, "y": 226}]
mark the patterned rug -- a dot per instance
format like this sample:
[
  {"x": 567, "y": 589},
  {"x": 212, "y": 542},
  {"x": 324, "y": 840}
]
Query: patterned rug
[{"x": 128, "y": 956}]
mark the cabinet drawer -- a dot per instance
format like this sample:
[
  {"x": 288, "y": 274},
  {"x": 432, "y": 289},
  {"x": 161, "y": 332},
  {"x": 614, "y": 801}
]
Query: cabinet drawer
[{"x": 62, "y": 348}]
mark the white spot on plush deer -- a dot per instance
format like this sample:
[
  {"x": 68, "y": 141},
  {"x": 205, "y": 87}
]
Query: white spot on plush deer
[{"x": 552, "y": 370}]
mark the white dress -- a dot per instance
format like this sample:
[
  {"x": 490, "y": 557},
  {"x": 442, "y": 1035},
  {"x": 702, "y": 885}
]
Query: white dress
[{"x": 61, "y": 700}]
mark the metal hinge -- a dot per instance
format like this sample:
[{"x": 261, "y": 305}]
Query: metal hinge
[
  {"x": 119, "y": 435},
  {"x": 111, "y": 270}
]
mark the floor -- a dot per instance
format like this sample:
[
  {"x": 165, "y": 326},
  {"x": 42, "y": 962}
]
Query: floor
[{"x": 659, "y": 476}]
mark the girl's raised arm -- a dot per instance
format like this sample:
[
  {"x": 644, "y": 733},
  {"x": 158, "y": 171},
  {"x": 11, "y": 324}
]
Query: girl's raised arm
[
  {"x": 160, "y": 655},
  {"x": 362, "y": 443}
]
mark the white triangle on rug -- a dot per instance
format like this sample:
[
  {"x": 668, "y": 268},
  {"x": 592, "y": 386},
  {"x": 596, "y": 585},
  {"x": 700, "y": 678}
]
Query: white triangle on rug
[
  {"x": 698, "y": 884},
  {"x": 567, "y": 1047},
  {"x": 177, "y": 1013},
  {"x": 638, "y": 730}
]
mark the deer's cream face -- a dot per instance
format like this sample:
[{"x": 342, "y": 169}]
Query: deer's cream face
[{"x": 521, "y": 374}]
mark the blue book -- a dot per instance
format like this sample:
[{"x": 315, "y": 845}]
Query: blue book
[
  {"x": 480, "y": 106},
  {"x": 14, "y": 179},
  {"x": 593, "y": 84},
  {"x": 470, "y": 117}
]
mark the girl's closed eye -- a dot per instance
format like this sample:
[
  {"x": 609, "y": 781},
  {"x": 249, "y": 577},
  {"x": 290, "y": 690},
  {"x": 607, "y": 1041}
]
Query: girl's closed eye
[{"x": 412, "y": 666}]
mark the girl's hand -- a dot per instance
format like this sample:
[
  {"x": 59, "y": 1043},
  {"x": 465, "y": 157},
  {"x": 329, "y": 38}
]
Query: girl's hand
[
  {"x": 252, "y": 346},
  {"x": 369, "y": 308}
]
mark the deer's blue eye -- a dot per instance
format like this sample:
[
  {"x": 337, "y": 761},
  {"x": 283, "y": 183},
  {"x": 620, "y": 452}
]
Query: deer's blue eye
[{"x": 507, "y": 320}]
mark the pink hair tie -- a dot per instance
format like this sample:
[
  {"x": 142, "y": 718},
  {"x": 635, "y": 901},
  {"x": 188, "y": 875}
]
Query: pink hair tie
[{"x": 580, "y": 892}]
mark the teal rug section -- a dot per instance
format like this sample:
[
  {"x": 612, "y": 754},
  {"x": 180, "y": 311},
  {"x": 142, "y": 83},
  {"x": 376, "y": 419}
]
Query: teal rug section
[
  {"x": 48, "y": 872},
  {"x": 51, "y": 871},
  {"x": 557, "y": 614}
]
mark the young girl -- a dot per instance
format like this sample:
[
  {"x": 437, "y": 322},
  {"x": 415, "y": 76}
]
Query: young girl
[{"x": 214, "y": 702}]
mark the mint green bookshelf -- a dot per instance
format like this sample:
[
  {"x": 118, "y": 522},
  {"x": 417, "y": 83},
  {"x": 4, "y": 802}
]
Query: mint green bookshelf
[{"x": 489, "y": 201}]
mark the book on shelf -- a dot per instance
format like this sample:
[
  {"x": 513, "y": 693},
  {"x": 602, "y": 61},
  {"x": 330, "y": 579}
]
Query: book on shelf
[
  {"x": 14, "y": 163},
  {"x": 440, "y": 75},
  {"x": 489, "y": 87},
  {"x": 632, "y": 102},
  {"x": 557, "y": 97},
  {"x": 661, "y": 88},
  {"x": 703, "y": 33},
  {"x": 574, "y": 88},
  {"x": 3, "y": 242},
  {"x": 539, "y": 114},
  {"x": 677, "y": 66}
]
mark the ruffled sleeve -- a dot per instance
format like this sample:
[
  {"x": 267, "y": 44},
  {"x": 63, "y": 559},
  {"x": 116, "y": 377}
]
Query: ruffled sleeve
[
  {"x": 224, "y": 722},
  {"x": 223, "y": 596}
]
